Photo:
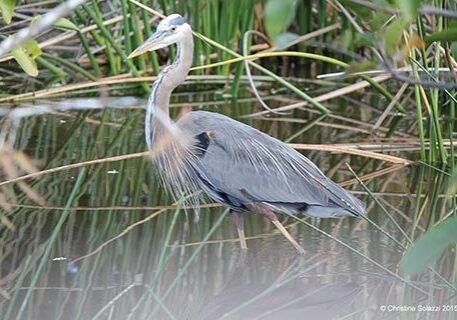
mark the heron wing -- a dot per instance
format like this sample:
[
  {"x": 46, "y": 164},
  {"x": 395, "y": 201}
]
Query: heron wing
[{"x": 246, "y": 164}]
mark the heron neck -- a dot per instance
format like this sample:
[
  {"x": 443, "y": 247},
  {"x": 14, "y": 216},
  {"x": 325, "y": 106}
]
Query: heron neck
[{"x": 157, "y": 113}]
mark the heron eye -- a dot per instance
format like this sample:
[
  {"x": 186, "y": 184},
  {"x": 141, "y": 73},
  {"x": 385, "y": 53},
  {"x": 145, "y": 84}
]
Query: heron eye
[{"x": 173, "y": 28}]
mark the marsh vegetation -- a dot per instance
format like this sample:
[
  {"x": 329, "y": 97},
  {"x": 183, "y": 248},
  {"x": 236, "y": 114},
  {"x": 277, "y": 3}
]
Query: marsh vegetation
[{"x": 366, "y": 89}]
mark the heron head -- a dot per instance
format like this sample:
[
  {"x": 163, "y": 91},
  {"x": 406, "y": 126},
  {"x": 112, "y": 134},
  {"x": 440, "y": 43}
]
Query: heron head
[{"x": 169, "y": 31}]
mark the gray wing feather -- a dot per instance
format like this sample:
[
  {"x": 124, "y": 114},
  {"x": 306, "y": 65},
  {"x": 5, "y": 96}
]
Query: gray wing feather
[{"x": 252, "y": 166}]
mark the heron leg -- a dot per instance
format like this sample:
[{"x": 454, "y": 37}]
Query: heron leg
[
  {"x": 272, "y": 217},
  {"x": 288, "y": 235},
  {"x": 239, "y": 222}
]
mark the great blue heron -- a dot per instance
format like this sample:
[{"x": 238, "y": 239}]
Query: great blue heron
[{"x": 233, "y": 163}]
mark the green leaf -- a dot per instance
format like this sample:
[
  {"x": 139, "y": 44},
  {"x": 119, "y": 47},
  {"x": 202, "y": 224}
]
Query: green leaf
[
  {"x": 409, "y": 8},
  {"x": 429, "y": 246},
  {"x": 284, "y": 39},
  {"x": 347, "y": 39},
  {"x": 7, "y": 8},
  {"x": 366, "y": 39},
  {"x": 360, "y": 11},
  {"x": 32, "y": 48},
  {"x": 66, "y": 24},
  {"x": 62, "y": 23},
  {"x": 376, "y": 20},
  {"x": 393, "y": 35},
  {"x": 445, "y": 35},
  {"x": 278, "y": 15},
  {"x": 25, "y": 55}
]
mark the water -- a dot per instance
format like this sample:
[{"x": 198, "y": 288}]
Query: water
[{"x": 123, "y": 252}]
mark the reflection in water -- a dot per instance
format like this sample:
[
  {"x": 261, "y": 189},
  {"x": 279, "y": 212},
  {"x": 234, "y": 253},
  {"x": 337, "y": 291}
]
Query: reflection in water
[
  {"x": 168, "y": 267},
  {"x": 137, "y": 277},
  {"x": 275, "y": 303},
  {"x": 223, "y": 282}
]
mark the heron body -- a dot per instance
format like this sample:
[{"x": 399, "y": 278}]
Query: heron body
[
  {"x": 233, "y": 163},
  {"x": 239, "y": 165}
]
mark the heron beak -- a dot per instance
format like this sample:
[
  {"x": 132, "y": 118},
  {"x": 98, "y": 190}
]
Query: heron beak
[{"x": 155, "y": 42}]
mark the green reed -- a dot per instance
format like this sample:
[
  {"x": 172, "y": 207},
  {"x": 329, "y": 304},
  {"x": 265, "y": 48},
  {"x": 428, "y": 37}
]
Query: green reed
[{"x": 428, "y": 114}]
